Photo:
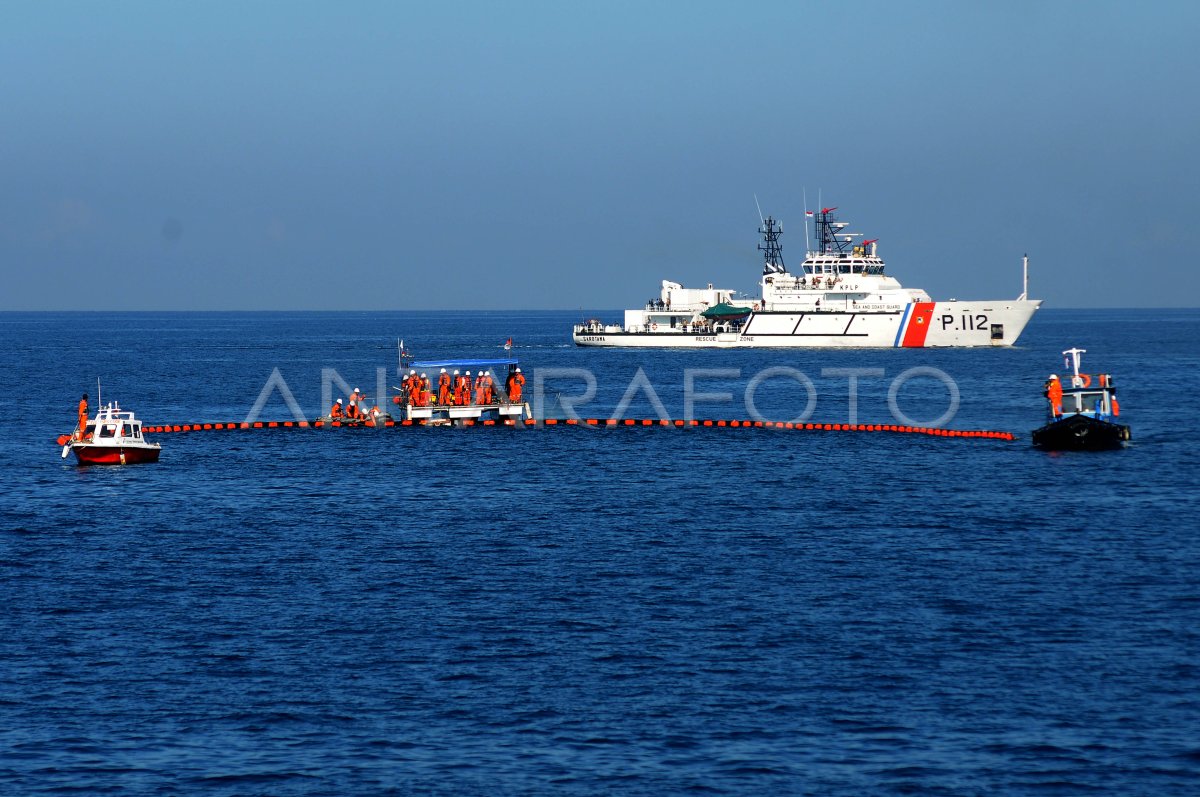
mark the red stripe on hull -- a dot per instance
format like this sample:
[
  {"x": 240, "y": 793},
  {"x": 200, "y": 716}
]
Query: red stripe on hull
[
  {"x": 918, "y": 325},
  {"x": 111, "y": 455}
]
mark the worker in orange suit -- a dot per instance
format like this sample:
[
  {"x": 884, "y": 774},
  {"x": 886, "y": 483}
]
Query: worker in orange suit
[
  {"x": 467, "y": 388},
  {"x": 459, "y": 396},
  {"x": 423, "y": 388},
  {"x": 354, "y": 414},
  {"x": 516, "y": 381},
  {"x": 410, "y": 387},
  {"x": 83, "y": 418},
  {"x": 1054, "y": 393},
  {"x": 443, "y": 388},
  {"x": 336, "y": 410},
  {"x": 356, "y": 396},
  {"x": 480, "y": 383}
]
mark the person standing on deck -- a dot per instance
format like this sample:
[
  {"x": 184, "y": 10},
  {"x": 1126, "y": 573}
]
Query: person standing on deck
[
  {"x": 83, "y": 418},
  {"x": 443, "y": 388},
  {"x": 1054, "y": 393},
  {"x": 336, "y": 410},
  {"x": 489, "y": 388},
  {"x": 423, "y": 388},
  {"x": 516, "y": 381}
]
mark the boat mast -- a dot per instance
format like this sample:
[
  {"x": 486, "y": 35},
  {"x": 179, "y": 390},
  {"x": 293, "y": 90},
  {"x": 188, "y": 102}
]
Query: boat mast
[
  {"x": 829, "y": 242},
  {"x": 770, "y": 247},
  {"x": 1024, "y": 279},
  {"x": 1073, "y": 363}
]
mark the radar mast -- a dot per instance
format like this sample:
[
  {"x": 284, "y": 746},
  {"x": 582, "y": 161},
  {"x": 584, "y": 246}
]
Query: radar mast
[{"x": 770, "y": 247}]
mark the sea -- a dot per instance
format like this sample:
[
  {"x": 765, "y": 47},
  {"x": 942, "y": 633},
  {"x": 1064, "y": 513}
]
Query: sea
[{"x": 578, "y": 610}]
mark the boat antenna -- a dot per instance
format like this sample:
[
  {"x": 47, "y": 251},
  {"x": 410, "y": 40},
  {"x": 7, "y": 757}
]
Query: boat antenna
[
  {"x": 805, "y": 194},
  {"x": 99, "y": 401},
  {"x": 761, "y": 220},
  {"x": 770, "y": 247},
  {"x": 1025, "y": 278}
]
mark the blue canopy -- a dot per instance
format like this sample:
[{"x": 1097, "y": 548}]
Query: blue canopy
[{"x": 462, "y": 363}]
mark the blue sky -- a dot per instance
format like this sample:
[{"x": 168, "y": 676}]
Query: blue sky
[{"x": 563, "y": 155}]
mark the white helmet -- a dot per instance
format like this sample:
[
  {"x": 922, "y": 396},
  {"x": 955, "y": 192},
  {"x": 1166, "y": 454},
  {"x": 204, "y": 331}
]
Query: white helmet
[
  {"x": 468, "y": 373},
  {"x": 422, "y": 376},
  {"x": 456, "y": 371},
  {"x": 339, "y": 401},
  {"x": 356, "y": 390},
  {"x": 518, "y": 370},
  {"x": 412, "y": 372},
  {"x": 1053, "y": 376},
  {"x": 443, "y": 370}
]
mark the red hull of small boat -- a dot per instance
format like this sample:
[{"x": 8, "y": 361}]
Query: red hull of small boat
[{"x": 112, "y": 455}]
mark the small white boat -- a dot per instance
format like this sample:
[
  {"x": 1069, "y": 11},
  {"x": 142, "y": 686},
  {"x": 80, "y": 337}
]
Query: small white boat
[{"x": 113, "y": 437}]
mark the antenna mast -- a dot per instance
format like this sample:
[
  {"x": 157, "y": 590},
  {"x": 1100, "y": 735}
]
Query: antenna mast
[
  {"x": 806, "y": 246},
  {"x": 770, "y": 247},
  {"x": 1025, "y": 279}
]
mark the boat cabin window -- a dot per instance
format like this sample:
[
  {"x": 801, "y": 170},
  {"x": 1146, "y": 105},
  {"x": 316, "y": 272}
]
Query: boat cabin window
[
  {"x": 108, "y": 430},
  {"x": 135, "y": 431},
  {"x": 1083, "y": 402}
]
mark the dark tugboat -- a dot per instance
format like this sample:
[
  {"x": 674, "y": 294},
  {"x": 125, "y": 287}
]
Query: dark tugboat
[{"x": 1081, "y": 413}]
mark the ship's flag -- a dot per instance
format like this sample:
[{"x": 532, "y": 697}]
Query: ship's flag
[
  {"x": 508, "y": 345},
  {"x": 808, "y": 213}
]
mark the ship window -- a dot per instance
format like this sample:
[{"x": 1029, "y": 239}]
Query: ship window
[
  {"x": 135, "y": 431},
  {"x": 108, "y": 430}
]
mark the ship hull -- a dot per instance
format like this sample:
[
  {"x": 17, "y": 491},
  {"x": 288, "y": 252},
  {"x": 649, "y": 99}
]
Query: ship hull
[
  {"x": 972, "y": 324},
  {"x": 1080, "y": 433},
  {"x": 115, "y": 455}
]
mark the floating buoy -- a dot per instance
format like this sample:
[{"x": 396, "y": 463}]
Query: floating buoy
[{"x": 735, "y": 423}]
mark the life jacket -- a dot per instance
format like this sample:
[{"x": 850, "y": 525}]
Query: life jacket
[{"x": 335, "y": 411}]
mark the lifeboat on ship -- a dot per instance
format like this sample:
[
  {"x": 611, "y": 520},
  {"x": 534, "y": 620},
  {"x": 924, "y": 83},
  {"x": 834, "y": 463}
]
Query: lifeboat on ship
[
  {"x": 113, "y": 437},
  {"x": 1083, "y": 410}
]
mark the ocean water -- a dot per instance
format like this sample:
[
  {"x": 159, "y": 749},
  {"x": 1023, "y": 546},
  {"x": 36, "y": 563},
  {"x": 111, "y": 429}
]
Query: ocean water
[{"x": 582, "y": 611}]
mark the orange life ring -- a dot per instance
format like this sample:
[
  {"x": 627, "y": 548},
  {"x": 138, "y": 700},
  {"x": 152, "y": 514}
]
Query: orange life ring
[
  {"x": 654, "y": 326},
  {"x": 756, "y": 306},
  {"x": 1086, "y": 379}
]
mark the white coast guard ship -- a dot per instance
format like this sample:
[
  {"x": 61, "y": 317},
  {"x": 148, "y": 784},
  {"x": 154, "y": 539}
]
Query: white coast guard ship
[{"x": 840, "y": 297}]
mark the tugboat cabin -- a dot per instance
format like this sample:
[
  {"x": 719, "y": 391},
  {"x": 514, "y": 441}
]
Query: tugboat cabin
[{"x": 1080, "y": 398}]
